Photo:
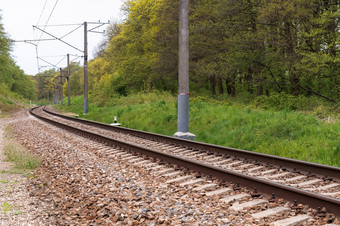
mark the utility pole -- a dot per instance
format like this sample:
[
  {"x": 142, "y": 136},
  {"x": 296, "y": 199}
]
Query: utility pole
[
  {"x": 54, "y": 94},
  {"x": 183, "y": 73},
  {"x": 61, "y": 87},
  {"x": 99, "y": 24},
  {"x": 86, "y": 102},
  {"x": 68, "y": 81}
]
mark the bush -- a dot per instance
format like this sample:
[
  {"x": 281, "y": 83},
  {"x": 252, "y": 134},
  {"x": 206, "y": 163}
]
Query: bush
[{"x": 276, "y": 101}]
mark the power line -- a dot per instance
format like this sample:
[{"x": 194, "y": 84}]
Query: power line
[
  {"x": 72, "y": 31},
  {"x": 36, "y": 47},
  {"x": 42, "y": 12},
  {"x": 59, "y": 39},
  {"x": 49, "y": 17}
]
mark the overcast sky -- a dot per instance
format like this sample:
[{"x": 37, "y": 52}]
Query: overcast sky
[{"x": 19, "y": 16}]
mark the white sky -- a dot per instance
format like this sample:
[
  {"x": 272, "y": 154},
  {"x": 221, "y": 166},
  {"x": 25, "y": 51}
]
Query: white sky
[{"x": 19, "y": 16}]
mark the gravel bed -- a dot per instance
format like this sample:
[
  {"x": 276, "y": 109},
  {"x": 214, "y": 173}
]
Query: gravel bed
[
  {"x": 16, "y": 205},
  {"x": 80, "y": 184},
  {"x": 87, "y": 188}
]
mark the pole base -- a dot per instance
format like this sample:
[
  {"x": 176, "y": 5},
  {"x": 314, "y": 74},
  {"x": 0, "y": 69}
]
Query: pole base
[
  {"x": 115, "y": 124},
  {"x": 185, "y": 135}
]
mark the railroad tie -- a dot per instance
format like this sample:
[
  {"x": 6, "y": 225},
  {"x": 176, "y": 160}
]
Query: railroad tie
[
  {"x": 256, "y": 202},
  {"x": 164, "y": 171},
  {"x": 232, "y": 198},
  {"x": 205, "y": 187},
  {"x": 179, "y": 179},
  {"x": 142, "y": 162},
  {"x": 278, "y": 175},
  {"x": 308, "y": 182},
  {"x": 329, "y": 186},
  {"x": 255, "y": 169},
  {"x": 191, "y": 182},
  {"x": 135, "y": 160},
  {"x": 172, "y": 174},
  {"x": 268, "y": 171},
  {"x": 219, "y": 192},
  {"x": 297, "y": 178},
  {"x": 291, "y": 221},
  {"x": 270, "y": 212}
]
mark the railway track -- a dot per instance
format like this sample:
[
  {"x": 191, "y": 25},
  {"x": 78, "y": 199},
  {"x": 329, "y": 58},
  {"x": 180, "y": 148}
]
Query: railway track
[{"x": 208, "y": 168}]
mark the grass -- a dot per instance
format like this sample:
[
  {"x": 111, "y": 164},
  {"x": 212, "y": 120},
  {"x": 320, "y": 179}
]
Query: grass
[
  {"x": 3, "y": 115},
  {"x": 283, "y": 132},
  {"x": 6, "y": 207},
  {"x": 22, "y": 159}
]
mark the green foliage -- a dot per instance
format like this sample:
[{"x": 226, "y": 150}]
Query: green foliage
[
  {"x": 14, "y": 84},
  {"x": 237, "y": 49},
  {"x": 265, "y": 46}
]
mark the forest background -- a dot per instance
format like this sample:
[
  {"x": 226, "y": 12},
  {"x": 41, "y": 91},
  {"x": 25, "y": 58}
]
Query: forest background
[{"x": 250, "y": 47}]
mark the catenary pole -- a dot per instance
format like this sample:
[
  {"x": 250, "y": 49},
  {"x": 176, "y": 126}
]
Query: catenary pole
[
  {"x": 86, "y": 107},
  {"x": 54, "y": 102},
  {"x": 68, "y": 81},
  {"x": 183, "y": 73},
  {"x": 61, "y": 86}
]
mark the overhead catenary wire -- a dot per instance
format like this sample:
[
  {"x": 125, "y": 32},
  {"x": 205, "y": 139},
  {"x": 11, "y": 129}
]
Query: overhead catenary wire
[
  {"x": 61, "y": 60},
  {"x": 60, "y": 38},
  {"x": 42, "y": 11},
  {"x": 49, "y": 17},
  {"x": 56, "y": 65},
  {"x": 36, "y": 47},
  {"x": 71, "y": 31}
]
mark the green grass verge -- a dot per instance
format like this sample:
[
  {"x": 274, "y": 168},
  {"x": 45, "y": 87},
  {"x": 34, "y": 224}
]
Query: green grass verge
[
  {"x": 22, "y": 159},
  {"x": 285, "y": 132}
]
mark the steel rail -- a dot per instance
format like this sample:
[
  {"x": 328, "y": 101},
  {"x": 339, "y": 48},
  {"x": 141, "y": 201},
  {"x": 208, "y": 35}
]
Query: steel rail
[
  {"x": 304, "y": 167},
  {"x": 263, "y": 186}
]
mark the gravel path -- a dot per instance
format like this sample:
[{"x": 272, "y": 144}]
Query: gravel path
[{"x": 16, "y": 205}]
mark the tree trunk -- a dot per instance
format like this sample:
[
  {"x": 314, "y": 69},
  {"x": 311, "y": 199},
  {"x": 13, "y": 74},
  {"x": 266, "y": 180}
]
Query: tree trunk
[
  {"x": 259, "y": 83},
  {"x": 294, "y": 80},
  {"x": 249, "y": 81},
  {"x": 220, "y": 85},
  {"x": 230, "y": 83},
  {"x": 212, "y": 81}
]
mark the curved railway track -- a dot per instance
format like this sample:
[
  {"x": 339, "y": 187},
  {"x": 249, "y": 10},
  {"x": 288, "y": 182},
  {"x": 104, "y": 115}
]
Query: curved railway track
[{"x": 211, "y": 166}]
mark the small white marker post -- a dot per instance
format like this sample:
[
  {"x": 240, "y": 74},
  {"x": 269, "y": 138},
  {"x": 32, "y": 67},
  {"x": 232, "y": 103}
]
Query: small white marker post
[{"x": 115, "y": 122}]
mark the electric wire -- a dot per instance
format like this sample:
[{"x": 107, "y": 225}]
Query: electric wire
[
  {"x": 36, "y": 47},
  {"x": 61, "y": 60},
  {"x": 71, "y": 31},
  {"x": 49, "y": 17},
  {"x": 42, "y": 12}
]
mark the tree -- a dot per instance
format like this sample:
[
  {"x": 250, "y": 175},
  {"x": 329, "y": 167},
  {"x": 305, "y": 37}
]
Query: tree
[{"x": 11, "y": 75}]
